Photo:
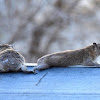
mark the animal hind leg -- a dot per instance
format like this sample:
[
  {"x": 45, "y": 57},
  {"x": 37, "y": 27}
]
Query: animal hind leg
[
  {"x": 2, "y": 70},
  {"x": 40, "y": 67}
]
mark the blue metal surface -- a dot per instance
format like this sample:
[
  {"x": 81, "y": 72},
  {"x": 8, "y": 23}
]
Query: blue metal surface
[{"x": 58, "y": 84}]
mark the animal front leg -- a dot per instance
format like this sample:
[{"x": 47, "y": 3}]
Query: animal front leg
[{"x": 91, "y": 63}]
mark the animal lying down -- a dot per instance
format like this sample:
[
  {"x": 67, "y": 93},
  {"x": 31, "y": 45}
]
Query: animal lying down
[
  {"x": 10, "y": 60},
  {"x": 84, "y": 56}
]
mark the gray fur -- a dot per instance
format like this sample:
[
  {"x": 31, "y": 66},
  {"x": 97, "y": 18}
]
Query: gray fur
[
  {"x": 10, "y": 60},
  {"x": 85, "y": 56}
]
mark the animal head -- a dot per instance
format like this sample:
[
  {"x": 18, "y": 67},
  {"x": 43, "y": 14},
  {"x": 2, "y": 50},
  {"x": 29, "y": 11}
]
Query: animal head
[
  {"x": 97, "y": 48},
  {"x": 5, "y": 46}
]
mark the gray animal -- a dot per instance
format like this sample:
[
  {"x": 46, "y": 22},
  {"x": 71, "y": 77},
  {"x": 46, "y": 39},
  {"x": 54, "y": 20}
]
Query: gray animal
[
  {"x": 10, "y": 60},
  {"x": 85, "y": 56}
]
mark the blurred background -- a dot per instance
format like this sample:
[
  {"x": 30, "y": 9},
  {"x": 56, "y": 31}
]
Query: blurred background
[{"x": 39, "y": 27}]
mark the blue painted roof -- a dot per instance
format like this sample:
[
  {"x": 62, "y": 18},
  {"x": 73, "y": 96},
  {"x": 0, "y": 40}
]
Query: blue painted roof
[{"x": 57, "y": 84}]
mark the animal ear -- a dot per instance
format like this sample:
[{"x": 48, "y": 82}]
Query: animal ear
[{"x": 94, "y": 44}]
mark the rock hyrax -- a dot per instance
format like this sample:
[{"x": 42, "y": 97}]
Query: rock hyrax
[
  {"x": 10, "y": 60},
  {"x": 84, "y": 56}
]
